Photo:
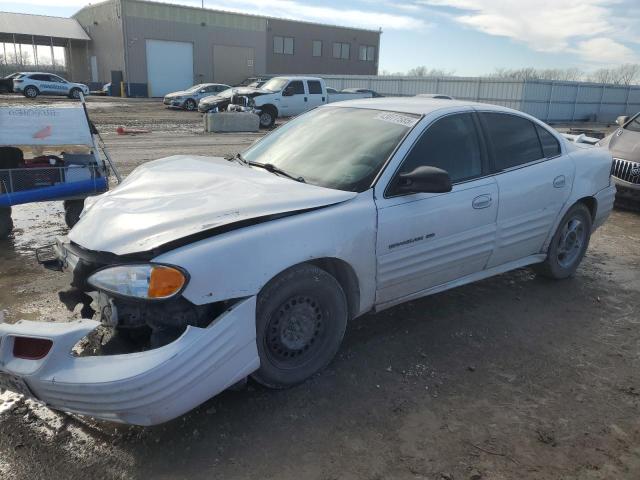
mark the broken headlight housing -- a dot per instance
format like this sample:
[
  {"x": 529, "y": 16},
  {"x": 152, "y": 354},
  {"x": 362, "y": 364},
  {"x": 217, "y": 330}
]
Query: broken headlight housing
[{"x": 141, "y": 281}]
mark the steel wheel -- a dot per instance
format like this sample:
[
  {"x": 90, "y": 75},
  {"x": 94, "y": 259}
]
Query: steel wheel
[
  {"x": 571, "y": 241},
  {"x": 295, "y": 332}
]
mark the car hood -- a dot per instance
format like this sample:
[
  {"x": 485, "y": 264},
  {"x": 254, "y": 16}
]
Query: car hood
[
  {"x": 213, "y": 99},
  {"x": 177, "y": 94},
  {"x": 625, "y": 146},
  {"x": 183, "y": 196}
]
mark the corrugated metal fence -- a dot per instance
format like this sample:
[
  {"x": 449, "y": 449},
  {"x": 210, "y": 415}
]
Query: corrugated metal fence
[{"x": 550, "y": 101}]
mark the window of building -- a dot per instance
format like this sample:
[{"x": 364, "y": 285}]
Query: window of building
[
  {"x": 315, "y": 88},
  {"x": 451, "y": 144},
  {"x": 317, "y": 48},
  {"x": 283, "y": 45},
  {"x": 367, "y": 53},
  {"x": 514, "y": 140},
  {"x": 341, "y": 50}
]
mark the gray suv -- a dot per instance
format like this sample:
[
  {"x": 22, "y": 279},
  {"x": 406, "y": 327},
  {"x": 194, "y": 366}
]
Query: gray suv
[{"x": 624, "y": 145}]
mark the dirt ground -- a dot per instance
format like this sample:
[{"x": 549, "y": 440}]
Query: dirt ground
[{"x": 515, "y": 377}]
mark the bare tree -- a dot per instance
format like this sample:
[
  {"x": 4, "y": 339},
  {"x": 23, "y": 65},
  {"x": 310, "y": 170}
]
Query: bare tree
[{"x": 423, "y": 71}]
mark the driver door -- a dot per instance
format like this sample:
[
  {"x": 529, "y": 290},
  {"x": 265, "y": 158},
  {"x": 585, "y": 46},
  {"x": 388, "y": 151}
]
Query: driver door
[
  {"x": 294, "y": 99},
  {"x": 429, "y": 239}
]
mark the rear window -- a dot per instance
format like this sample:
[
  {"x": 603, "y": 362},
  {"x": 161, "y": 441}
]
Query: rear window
[
  {"x": 314, "y": 87},
  {"x": 514, "y": 140}
]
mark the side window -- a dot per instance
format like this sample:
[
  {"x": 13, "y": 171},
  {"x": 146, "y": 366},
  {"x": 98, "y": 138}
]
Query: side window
[
  {"x": 514, "y": 139},
  {"x": 550, "y": 145},
  {"x": 40, "y": 77},
  {"x": 315, "y": 88},
  {"x": 296, "y": 87},
  {"x": 451, "y": 144}
]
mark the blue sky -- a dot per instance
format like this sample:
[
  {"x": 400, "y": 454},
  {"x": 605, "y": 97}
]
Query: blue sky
[{"x": 468, "y": 37}]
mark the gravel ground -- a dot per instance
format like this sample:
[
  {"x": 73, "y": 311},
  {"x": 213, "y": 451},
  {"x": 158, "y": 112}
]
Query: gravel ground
[{"x": 512, "y": 377}]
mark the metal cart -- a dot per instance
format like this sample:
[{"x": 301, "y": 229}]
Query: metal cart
[{"x": 65, "y": 165}]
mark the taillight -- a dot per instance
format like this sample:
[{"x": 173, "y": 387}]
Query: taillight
[
  {"x": 18, "y": 81},
  {"x": 31, "y": 348}
]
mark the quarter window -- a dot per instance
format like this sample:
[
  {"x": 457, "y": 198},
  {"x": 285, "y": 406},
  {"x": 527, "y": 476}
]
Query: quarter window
[
  {"x": 514, "y": 140},
  {"x": 341, "y": 50},
  {"x": 317, "y": 48},
  {"x": 451, "y": 144},
  {"x": 550, "y": 145}
]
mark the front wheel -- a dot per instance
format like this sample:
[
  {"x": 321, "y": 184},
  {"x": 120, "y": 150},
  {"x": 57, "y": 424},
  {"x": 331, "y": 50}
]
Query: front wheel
[
  {"x": 190, "y": 105},
  {"x": 267, "y": 117},
  {"x": 75, "y": 93},
  {"x": 72, "y": 211},
  {"x": 568, "y": 245},
  {"x": 31, "y": 92},
  {"x": 301, "y": 317},
  {"x": 6, "y": 223}
]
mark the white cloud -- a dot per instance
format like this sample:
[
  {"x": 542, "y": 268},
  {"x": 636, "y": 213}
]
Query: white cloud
[
  {"x": 605, "y": 50},
  {"x": 578, "y": 26}
]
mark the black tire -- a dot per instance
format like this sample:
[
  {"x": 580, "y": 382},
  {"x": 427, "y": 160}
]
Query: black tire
[
  {"x": 301, "y": 317},
  {"x": 190, "y": 105},
  {"x": 72, "y": 211},
  {"x": 268, "y": 117},
  {"x": 6, "y": 223},
  {"x": 568, "y": 245},
  {"x": 75, "y": 93},
  {"x": 31, "y": 92}
]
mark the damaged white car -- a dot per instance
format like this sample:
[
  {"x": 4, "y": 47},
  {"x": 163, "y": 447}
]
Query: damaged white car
[{"x": 209, "y": 270}]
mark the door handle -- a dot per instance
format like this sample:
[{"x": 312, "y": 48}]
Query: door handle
[
  {"x": 481, "y": 201},
  {"x": 559, "y": 182},
  {"x": 305, "y": 99}
]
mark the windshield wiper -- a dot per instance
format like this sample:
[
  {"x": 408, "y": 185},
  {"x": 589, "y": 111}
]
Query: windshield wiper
[
  {"x": 237, "y": 158},
  {"x": 270, "y": 167}
]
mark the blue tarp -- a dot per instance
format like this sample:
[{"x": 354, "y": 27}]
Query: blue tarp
[{"x": 55, "y": 192}]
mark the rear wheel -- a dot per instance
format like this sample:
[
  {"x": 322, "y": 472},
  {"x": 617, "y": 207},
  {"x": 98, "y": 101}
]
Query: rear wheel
[
  {"x": 31, "y": 92},
  {"x": 72, "y": 211},
  {"x": 268, "y": 117},
  {"x": 74, "y": 93},
  {"x": 6, "y": 223},
  {"x": 190, "y": 105},
  {"x": 568, "y": 245},
  {"x": 301, "y": 317}
]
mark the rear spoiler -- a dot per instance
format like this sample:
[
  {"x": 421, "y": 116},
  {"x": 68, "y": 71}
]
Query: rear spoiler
[{"x": 582, "y": 138}]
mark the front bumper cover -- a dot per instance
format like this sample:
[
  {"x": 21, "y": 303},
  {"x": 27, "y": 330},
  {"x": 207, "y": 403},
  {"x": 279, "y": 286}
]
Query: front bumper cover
[{"x": 145, "y": 388}]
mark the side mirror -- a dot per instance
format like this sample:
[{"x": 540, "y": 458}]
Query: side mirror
[
  {"x": 287, "y": 92},
  {"x": 203, "y": 91},
  {"x": 423, "y": 180},
  {"x": 621, "y": 120}
]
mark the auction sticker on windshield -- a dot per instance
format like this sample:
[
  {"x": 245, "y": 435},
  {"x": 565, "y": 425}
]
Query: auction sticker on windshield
[{"x": 397, "y": 118}]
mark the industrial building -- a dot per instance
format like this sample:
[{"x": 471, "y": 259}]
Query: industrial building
[{"x": 155, "y": 48}]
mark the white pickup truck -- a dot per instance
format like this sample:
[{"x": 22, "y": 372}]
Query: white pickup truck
[{"x": 287, "y": 97}]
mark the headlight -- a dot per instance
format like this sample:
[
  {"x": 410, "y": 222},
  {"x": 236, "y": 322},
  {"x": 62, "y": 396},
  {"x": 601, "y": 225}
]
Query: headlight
[{"x": 144, "y": 281}]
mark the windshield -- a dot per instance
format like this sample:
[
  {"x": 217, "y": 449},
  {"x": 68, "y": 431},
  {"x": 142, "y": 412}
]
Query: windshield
[
  {"x": 333, "y": 147},
  {"x": 195, "y": 87},
  {"x": 634, "y": 125},
  {"x": 275, "y": 84}
]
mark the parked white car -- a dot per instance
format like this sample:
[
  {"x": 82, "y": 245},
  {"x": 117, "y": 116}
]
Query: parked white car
[
  {"x": 253, "y": 265},
  {"x": 188, "y": 99},
  {"x": 32, "y": 84},
  {"x": 288, "y": 97}
]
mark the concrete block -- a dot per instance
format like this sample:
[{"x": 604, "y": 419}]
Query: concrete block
[{"x": 231, "y": 122}]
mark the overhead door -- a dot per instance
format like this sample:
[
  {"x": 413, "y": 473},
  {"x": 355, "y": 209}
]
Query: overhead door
[
  {"x": 169, "y": 66},
  {"x": 231, "y": 65}
]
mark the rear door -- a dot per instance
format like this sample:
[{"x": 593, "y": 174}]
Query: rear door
[
  {"x": 317, "y": 96},
  {"x": 534, "y": 179},
  {"x": 429, "y": 239},
  {"x": 294, "y": 99}
]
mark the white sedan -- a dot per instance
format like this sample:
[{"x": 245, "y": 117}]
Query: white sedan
[
  {"x": 209, "y": 270},
  {"x": 189, "y": 98}
]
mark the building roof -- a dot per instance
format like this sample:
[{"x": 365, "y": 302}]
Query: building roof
[{"x": 41, "y": 26}]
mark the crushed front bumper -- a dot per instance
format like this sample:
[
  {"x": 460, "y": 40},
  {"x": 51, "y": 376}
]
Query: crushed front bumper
[{"x": 144, "y": 388}]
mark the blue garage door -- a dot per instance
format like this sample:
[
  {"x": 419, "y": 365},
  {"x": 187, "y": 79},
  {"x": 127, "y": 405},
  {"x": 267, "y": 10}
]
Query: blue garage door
[{"x": 169, "y": 66}]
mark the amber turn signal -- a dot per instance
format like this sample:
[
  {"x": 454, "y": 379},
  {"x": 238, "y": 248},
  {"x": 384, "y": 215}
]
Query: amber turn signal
[{"x": 165, "y": 281}]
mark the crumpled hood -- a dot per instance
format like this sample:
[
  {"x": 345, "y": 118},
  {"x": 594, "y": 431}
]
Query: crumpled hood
[{"x": 179, "y": 196}]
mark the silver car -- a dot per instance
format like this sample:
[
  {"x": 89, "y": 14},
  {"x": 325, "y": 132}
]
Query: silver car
[
  {"x": 624, "y": 146},
  {"x": 188, "y": 99}
]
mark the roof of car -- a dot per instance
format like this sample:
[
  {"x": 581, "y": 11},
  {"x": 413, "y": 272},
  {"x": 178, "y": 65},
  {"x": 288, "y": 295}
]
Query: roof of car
[{"x": 415, "y": 105}]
